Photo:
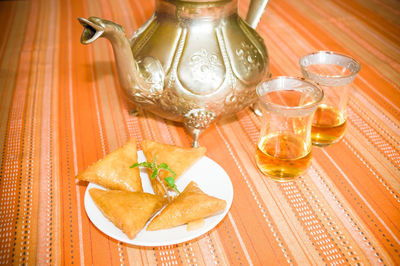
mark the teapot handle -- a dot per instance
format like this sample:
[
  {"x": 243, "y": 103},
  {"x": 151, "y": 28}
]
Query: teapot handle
[{"x": 256, "y": 9}]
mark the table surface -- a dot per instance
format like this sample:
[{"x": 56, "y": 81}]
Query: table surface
[{"x": 62, "y": 109}]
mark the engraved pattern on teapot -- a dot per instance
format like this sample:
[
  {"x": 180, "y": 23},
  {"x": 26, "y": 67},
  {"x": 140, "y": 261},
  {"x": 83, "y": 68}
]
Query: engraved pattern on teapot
[
  {"x": 204, "y": 66},
  {"x": 247, "y": 55},
  {"x": 151, "y": 76},
  {"x": 199, "y": 118}
]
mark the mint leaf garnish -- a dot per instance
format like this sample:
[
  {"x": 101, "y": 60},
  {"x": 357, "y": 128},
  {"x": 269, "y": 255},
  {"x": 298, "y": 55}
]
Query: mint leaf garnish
[{"x": 170, "y": 180}]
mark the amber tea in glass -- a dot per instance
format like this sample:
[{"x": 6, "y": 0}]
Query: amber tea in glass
[
  {"x": 284, "y": 156},
  {"x": 329, "y": 125},
  {"x": 334, "y": 73},
  {"x": 284, "y": 147}
]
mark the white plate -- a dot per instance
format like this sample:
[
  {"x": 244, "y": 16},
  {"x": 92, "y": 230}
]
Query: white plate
[{"x": 210, "y": 177}]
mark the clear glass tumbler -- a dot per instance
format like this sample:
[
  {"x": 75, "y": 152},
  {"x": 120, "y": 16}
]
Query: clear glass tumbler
[
  {"x": 284, "y": 146},
  {"x": 334, "y": 73}
]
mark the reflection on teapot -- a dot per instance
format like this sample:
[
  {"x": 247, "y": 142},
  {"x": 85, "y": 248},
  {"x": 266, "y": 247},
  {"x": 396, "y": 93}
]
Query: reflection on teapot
[{"x": 191, "y": 62}]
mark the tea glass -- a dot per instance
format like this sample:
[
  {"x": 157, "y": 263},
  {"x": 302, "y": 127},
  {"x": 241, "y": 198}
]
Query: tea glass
[
  {"x": 334, "y": 73},
  {"x": 284, "y": 146}
]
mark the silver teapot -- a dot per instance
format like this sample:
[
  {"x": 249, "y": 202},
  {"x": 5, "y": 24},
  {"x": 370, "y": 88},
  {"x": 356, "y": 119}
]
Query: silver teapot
[{"x": 191, "y": 62}]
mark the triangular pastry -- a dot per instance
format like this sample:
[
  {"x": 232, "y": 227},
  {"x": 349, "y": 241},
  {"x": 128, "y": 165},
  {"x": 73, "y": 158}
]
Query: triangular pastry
[
  {"x": 129, "y": 211},
  {"x": 192, "y": 204},
  {"x": 113, "y": 170},
  {"x": 178, "y": 159}
]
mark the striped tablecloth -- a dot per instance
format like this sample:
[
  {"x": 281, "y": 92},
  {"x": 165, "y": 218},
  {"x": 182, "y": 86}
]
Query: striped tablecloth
[{"x": 61, "y": 109}]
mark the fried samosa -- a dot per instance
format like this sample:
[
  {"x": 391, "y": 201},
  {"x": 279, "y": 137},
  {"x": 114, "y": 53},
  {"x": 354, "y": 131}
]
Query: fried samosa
[
  {"x": 177, "y": 158},
  {"x": 113, "y": 170},
  {"x": 129, "y": 211},
  {"x": 192, "y": 204}
]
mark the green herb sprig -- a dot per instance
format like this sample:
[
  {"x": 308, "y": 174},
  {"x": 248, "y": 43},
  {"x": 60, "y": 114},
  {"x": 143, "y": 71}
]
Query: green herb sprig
[{"x": 169, "y": 180}]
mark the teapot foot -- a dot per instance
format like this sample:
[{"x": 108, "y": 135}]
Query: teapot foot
[
  {"x": 196, "y": 121},
  {"x": 195, "y": 134},
  {"x": 133, "y": 112},
  {"x": 256, "y": 108}
]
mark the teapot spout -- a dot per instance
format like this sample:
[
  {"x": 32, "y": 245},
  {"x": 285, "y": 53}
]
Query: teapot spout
[
  {"x": 92, "y": 30},
  {"x": 95, "y": 28},
  {"x": 256, "y": 9}
]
